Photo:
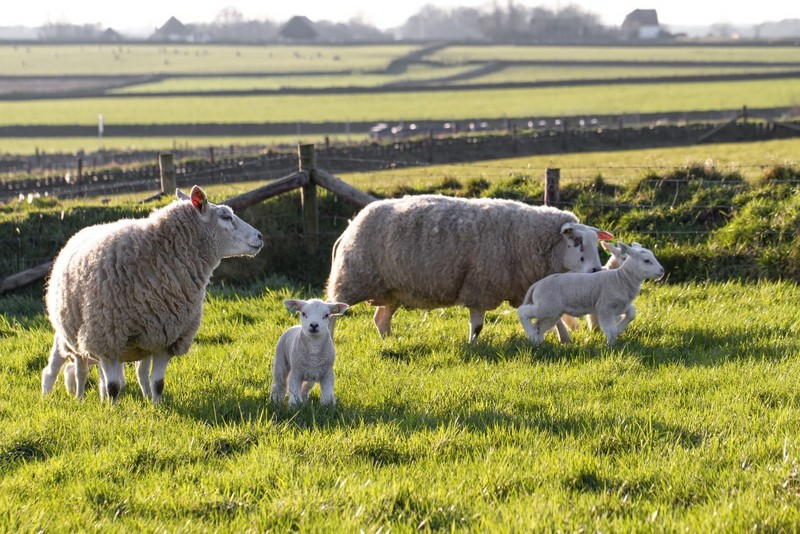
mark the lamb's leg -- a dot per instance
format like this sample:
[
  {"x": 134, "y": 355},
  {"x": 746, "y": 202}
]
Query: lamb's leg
[
  {"x": 54, "y": 363},
  {"x": 157, "y": 372},
  {"x": 569, "y": 321},
  {"x": 608, "y": 324},
  {"x": 525, "y": 314},
  {"x": 143, "y": 368},
  {"x": 305, "y": 389},
  {"x": 475, "y": 324},
  {"x": 629, "y": 314},
  {"x": 295, "y": 386},
  {"x": 383, "y": 319},
  {"x": 326, "y": 389},
  {"x": 542, "y": 326},
  {"x": 563, "y": 334},
  {"x": 591, "y": 320},
  {"x": 280, "y": 373},
  {"x": 113, "y": 378}
]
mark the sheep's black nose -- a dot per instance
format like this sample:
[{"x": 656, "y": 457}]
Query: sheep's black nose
[
  {"x": 313, "y": 327},
  {"x": 260, "y": 236},
  {"x": 594, "y": 270}
]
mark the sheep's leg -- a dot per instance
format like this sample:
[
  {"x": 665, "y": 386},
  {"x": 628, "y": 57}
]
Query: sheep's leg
[
  {"x": 113, "y": 378},
  {"x": 54, "y": 363},
  {"x": 542, "y": 326},
  {"x": 326, "y": 389},
  {"x": 295, "y": 390},
  {"x": 475, "y": 324},
  {"x": 608, "y": 324},
  {"x": 70, "y": 380},
  {"x": 569, "y": 321},
  {"x": 591, "y": 320},
  {"x": 80, "y": 368},
  {"x": 563, "y": 333},
  {"x": 157, "y": 372},
  {"x": 629, "y": 314},
  {"x": 383, "y": 319},
  {"x": 143, "y": 376},
  {"x": 280, "y": 374}
]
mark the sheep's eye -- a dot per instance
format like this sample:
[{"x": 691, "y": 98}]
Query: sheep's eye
[
  {"x": 226, "y": 217},
  {"x": 326, "y": 316},
  {"x": 304, "y": 314},
  {"x": 648, "y": 262}
]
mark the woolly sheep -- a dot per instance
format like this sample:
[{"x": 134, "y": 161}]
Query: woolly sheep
[
  {"x": 609, "y": 294},
  {"x": 305, "y": 354},
  {"x": 431, "y": 251},
  {"x": 133, "y": 290}
]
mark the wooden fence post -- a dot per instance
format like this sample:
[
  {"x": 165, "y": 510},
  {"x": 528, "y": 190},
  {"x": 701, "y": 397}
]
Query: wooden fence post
[
  {"x": 552, "y": 196},
  {"x": 166, "y": 168},
  {"x": 309, "y": 198}
]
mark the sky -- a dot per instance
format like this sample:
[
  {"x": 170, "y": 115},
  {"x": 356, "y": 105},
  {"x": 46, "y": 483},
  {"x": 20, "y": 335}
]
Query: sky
[{"x": 146, "y": 15}]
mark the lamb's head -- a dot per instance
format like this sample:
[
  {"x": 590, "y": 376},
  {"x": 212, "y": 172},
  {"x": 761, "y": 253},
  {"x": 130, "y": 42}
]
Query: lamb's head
[
  {"x": 234, "y": 236},
  {"x": 641, "y": 262},
  {"x": 315, "y": 314},
  {"x": 580, "y": 250}
]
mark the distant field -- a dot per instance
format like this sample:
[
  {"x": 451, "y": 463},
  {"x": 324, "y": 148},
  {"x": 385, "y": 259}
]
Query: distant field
[
  {"x": 766, "y": 54},
  {"x": 182, "y": 58},
  {"x": 446, "y": 105}
]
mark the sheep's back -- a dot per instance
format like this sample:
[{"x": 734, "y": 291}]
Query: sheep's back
[{"x": 430, "y": 251}]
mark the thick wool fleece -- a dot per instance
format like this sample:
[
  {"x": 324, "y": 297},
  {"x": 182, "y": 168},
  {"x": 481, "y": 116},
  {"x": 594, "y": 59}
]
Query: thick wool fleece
[
  {"x": 432, "y": 251},
  {"x": 133, "y": 287}
]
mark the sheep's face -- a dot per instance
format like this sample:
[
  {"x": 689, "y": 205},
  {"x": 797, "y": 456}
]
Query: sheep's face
[
  {"x": 315, "y": 314},
  {"x": 580, "y": 248},
  {"x": 642, "y": 262},
  {"x": 235, "y": 237}
]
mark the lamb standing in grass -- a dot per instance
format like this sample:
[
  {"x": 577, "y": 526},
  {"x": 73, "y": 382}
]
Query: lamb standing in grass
[
  {"x": 609, "y": 294},
  {"x": 133, "y": 290},
  {"x": 305, "y": 354}
]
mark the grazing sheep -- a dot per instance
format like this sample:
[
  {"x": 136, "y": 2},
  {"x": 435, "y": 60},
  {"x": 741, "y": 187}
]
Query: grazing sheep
[
  {"x": 431, "y": 251},
  {"x": 608, "y": 294},
  {"x": 305, "y": 354},
  {"x": 133, "y": 290}
]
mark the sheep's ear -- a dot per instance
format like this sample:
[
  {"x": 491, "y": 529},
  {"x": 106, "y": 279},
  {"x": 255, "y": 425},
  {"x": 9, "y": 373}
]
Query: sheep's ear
[
  {"x": 199, "y": 199},
  {"x": 603, "y": 236},
  {"x": 181, "y": 195},
  {"x": 294, "y": 305},
  {"x": 567, "y": 229},
  {"x": 338, "y": 308}
]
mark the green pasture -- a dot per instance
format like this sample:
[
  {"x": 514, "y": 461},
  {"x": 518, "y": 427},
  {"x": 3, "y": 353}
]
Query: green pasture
[
  {"x": 689, "y": 423},
  {"x": 644, "y": 54},
  {"x": 146, "y": 59},
  {"x": 400, "y": 105}
]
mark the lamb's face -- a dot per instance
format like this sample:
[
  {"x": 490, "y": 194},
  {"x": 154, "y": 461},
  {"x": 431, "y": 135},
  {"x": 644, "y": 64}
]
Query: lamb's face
[
  {"x": 580, "y": 250},
  {"x": 642, "y": 262},
  {"x": 315, "y": 314}
]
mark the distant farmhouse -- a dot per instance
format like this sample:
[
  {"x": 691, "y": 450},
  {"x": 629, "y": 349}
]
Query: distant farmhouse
[
  {"x": 298, "y": 30},
  {"x": 641, "y": 24},
  {"x": 174, "y": 31}
]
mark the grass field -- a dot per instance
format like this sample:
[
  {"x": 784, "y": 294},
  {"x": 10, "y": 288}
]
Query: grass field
[
  {"x": 398, "y": 106},
  {"x": 689, "y": 423}
]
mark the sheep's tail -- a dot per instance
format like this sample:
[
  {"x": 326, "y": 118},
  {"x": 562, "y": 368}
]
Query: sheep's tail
[
  {"x": 335, "y": 248},
  {"x": 529, "y": 295}
]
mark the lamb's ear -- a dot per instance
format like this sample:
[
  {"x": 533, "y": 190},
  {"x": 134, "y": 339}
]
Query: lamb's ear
[
  {"x": 625, "y": 248},
  {"x": 294, "y": 305},
  {"x": 181, "y": 195},
  {"x": 611, "y": 249},
  {"x": 338, "y": 308},
  {"x": 199, "y": 199}
]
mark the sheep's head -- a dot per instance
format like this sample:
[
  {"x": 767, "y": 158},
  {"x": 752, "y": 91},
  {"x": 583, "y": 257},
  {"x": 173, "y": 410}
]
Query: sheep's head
[
  {"x": 315, "y": 314},
  {"x": 580, "y": 250},
  {"x": 641, "y": 261},
  {"x": 234, "y": 236}
]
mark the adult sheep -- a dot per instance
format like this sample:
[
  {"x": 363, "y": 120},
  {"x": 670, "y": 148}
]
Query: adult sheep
[
  {"x": 432, "y": 251},
  {"x": 133, "y": 290}
]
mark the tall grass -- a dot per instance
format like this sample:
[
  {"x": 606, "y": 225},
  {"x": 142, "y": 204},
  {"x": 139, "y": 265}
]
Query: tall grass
[{"x": 689, "y": 423}]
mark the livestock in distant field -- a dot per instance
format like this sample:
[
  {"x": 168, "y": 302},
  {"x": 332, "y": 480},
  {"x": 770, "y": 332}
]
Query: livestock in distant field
[
  {"x": 432, "y": 251},
  {"x": 133, "y": 290},
  {"x": 609, "y": 294},
  {"x": 305, "y": 353}
]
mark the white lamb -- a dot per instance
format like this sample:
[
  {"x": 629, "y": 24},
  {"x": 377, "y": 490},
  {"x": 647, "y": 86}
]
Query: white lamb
[
  {"x": 133, "y": 290},
  {"x": 614, "y": 262},
  {"x": 305, "y": 354},
  {"x": 609, "y": 294}
]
